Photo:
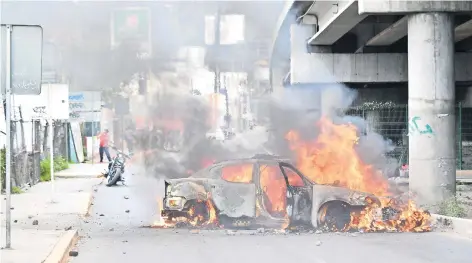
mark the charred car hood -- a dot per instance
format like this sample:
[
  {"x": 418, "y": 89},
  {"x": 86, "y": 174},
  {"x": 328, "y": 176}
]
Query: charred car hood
[
  {"x": 190, "y": 188},
  {"x": 231, "y": 199}
]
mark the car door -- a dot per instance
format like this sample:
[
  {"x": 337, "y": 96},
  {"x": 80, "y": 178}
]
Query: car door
[
  {"x": 300, "y": 195},
  {"x": 272, "y": 191},
  {"x": 234, "y": 194}
]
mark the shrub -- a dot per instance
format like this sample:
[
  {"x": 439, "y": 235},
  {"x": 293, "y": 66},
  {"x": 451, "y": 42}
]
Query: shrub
[
  {"x": 451, "y": 207},
  {"x": 59, "y": 164},
  {"x": 16, "y": 190}
]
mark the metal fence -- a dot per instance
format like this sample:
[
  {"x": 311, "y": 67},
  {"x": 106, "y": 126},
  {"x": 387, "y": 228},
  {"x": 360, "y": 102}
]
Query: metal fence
[
  {"x": 26, "y": 160},
  {"x": 391, "y": 121}
]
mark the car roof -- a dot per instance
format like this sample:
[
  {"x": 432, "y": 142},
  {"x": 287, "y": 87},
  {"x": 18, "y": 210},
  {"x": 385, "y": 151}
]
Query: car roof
[
  {"x": 257, "y": 157},
  {"x": 206, "y": 172}
]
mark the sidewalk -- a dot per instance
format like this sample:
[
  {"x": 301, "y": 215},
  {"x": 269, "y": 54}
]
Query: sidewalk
[
  {"x": 40, "y": 246},
  {"x": 464, "y": 176},
  {"x": 83, "y": 170},
  {"x": 42, "y": 230}
]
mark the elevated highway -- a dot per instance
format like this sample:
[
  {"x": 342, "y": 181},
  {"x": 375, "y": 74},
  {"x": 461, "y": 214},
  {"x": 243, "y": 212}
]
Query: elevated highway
[{"x": 425, "y": 44}]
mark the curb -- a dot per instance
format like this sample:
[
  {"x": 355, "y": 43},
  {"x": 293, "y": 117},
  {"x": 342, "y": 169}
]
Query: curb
[
  {"x": 89, "y": 205},
  {"x": 91, "y": 198},
  {"x": 65, "y": 176},
  {"x": 59, "y": 253},
  {"x": 460, "y": 226}
]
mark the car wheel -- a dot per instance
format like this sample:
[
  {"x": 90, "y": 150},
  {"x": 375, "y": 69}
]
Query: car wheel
[
  {"x": 200, "y": 214},
  {"x": 335, "y": 216}
]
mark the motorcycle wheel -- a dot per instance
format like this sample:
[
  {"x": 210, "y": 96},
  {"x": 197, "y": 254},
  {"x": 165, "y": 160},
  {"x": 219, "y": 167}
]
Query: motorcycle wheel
[{"x": 114, "y": 178}]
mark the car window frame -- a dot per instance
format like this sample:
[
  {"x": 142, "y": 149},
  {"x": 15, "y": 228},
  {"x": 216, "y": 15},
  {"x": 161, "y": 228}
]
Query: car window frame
[
  {"x": 306, "y": 181},
  {"x": 270, "y": 163},
  {"x": 282, "y": 167},
  {"x": 220, "y": 176}
]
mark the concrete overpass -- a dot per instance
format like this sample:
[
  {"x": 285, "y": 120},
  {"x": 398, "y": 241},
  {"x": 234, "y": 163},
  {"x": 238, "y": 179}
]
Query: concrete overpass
[{"x": 422, "y": 43}]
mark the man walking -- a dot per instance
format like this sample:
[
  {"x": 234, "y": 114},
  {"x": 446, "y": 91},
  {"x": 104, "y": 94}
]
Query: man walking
[{"x": 103, "y": 137}]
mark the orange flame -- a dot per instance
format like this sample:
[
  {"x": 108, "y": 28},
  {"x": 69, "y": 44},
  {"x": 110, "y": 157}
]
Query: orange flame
[
  {"x": 241, "y": 173},
  {"x": 332, "y": 159},
  {"x": 274, "y": 188},
  {"x": 194, "y": 216}
]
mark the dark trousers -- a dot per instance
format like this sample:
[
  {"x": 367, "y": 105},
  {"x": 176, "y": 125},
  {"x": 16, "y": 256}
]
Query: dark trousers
[{"x": 104, "y": 149}]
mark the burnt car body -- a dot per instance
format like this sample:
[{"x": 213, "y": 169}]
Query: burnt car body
[{"x": 247, "y": 202}]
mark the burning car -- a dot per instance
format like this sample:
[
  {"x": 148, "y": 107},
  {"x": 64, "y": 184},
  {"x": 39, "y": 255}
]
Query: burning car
[{"x": 263, "y": 191}]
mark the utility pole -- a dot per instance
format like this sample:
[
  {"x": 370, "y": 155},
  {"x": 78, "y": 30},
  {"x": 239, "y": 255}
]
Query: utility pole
[
  {"x": 217, "y": 49},
  {"x": 9, "y": 138},
  {"x": 216, "y": 58}
]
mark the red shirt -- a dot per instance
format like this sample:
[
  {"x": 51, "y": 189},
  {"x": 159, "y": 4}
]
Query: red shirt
[{"x": 103, "y": 137}]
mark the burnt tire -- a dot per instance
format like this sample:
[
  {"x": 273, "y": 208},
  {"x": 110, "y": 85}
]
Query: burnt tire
[
  {"x": 337, "y": 216},
  {"x": 200, "y": 208}
]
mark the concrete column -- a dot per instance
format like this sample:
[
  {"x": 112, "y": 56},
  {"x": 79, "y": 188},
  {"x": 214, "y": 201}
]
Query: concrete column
[{"x": 431, "y": 101}]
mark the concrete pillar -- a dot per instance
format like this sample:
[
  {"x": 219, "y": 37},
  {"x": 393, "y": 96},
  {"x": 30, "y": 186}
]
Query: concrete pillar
[{"x": 431, "y": 101}]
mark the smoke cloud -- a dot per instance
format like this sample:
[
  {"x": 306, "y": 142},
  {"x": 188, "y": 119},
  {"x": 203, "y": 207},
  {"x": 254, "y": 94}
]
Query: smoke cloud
[
  {"x": 292, "y": 108},
  {"x": 90, "y": 63}
]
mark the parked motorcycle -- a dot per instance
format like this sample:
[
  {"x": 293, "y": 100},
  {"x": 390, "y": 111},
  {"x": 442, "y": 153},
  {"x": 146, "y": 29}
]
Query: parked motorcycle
[{"x": 116, "y": 167}]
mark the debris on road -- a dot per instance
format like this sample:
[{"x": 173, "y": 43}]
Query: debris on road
[
  {"x": 280, "y": 231},
  {"x": 35, "y": 222},
  {"x": 73, "y": 253},
  {"x": 126, "y": 211},
  {"x": 102, "y": 215},
  {"x": 318, "y": 243},
  {"x": 68, "y": 228},
  {"x": 126, "y": 197}
]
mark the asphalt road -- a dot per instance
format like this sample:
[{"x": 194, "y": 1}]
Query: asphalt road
[{"x": 113, "y": 234}]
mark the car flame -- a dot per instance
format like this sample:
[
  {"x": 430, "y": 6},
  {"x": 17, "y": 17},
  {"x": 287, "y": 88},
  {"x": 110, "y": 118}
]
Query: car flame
[{"x": 331, "y": 158}]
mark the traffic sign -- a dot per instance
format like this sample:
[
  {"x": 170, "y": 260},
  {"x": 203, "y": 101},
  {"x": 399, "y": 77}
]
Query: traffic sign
[
  {"x": 26, "y": 59},
  {"x": 132, "y": 25},
  {"x": 21, "y": 56}
]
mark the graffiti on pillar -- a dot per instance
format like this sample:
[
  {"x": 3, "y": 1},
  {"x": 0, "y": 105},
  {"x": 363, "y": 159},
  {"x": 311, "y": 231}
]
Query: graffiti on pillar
[{"x": 415, "y": 127}]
